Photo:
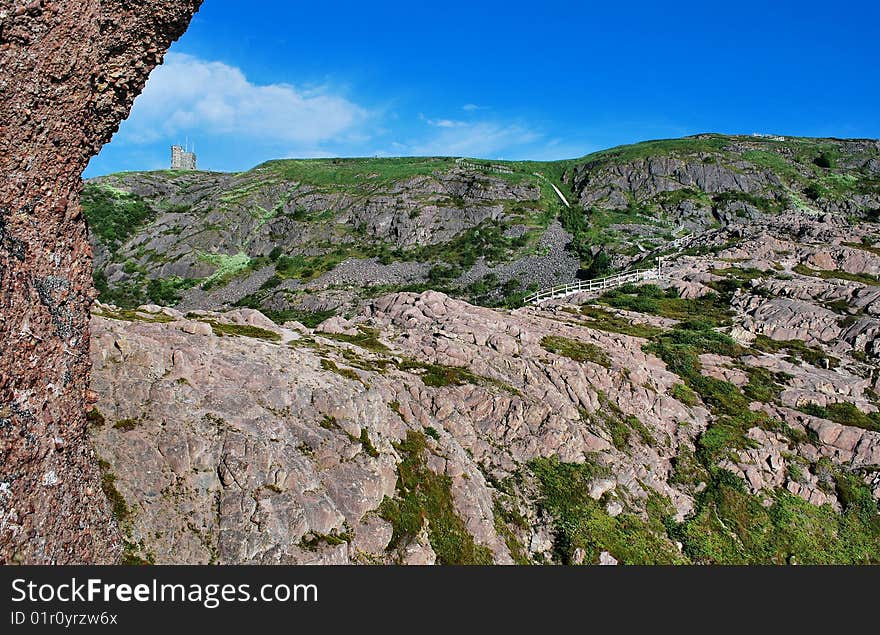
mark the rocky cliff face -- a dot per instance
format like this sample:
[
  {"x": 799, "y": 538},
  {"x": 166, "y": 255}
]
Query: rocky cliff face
[
  {"x": 305, "y": 239},
  {"x": 729, "y": 416},
  {"x": 313, "y": 236},
  {"x": 71, "y": 69}
]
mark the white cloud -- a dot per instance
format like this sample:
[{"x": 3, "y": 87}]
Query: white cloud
[
  {"x": 187, "y": 95},
  {"x": 446, "y": 123},
  {"x": 472, "y": 107},
  {"x": 478, "y": 139}
]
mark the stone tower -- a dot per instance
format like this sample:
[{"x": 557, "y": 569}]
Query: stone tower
[{"x": 181, "y": 159}]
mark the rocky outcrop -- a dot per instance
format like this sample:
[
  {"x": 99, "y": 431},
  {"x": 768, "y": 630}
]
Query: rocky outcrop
[
  {"x": 71, "y": 69},
  {"x": 280, "y": 445},
  {"x": 231, "y": 439}
]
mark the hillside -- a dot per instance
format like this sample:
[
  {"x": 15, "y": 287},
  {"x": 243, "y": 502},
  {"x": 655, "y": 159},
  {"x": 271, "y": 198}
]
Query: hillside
[
  {"x": 307, "y": 239},
  {"x": 729, "y": 413}
]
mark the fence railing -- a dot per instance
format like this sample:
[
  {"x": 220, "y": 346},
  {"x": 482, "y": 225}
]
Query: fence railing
[{"x": 597, "y": 284}]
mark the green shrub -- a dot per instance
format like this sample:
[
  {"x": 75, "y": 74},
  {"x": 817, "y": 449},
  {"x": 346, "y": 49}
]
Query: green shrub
[
  {"x": 685, "y": 395},
  {"x": 166, "y": 291},
  {"x": 113, "y": 215},
  {"x": 581, "y": 522},
  {"x": 845, "y": 413}
]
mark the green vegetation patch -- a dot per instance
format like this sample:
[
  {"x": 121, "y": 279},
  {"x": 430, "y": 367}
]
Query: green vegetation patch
[
  {"x": 313, "y": 541},
  {"x": 797, "y": 350},
  {"x": 764, "y": 385},
  {"x": 126, "y": 425},
  {"x": 685, "y": 395},
  {"x": 244, "y": 330},
  {"x": 366, "y": 337},
  {"x": 503, "y": 521},
  {"x": 706, "y": 144},
  {"x": 166, "y": 291},
  {"x": 730, "y": 526},
  {"x": 604, "y": 320},
  {"x": 582, "y": 522},
  {"x": 440, "y": 376},
  {"x": 228, "y": 266},
  {"x": 423, "y": 495},
  {"x": 863, "y": 278},
  {"x": 865, "y": 246},
  {"x": 348, "y": 373},
  {"x": 113, "y": 215},
  {"x": 131, "y": 315},
  {"x": 576, "y": 350},
  {"x": 846, "y": 414},
  {"x": 619, "y": 426},
  {"x": 653, "y": 300}
]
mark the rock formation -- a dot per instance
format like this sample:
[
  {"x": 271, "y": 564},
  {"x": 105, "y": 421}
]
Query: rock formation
[
  {"x": 588, "y": 430},
  {"x": 71, "y": 69}
]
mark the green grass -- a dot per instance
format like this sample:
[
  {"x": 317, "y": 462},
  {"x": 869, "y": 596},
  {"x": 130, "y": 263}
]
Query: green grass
[
  {"x": 423, "y": 495},
  {"x": 685, "y": 395},
  {"x": 118, "y": 505},
  {"x": 603, "y": 320},
  {"x": 730, "y": 526},
  {"x": 576, "y": 350},
  {"x": 244, "y": 330},
  {"x": 314, "y": 541},
  {"x": 228, "y": 266},
  {"x": 653, "y": 300},
  {"x": 368, "y": 446},
  {"x": 741, "y": 274},
  {"x": 367, "y": 338},
  {"x": 772, "y": 161},
  {"x": 846, "y": 414},
  {"x": 865, "y": 247},
  {"x": 797, "y": 350},
  {"x": 126, "y": 425},
  {"x": 503, "y": 520},
  {"x": 441, "y": 376},
  {"x": 764, "y": 385},
  {"x": 581, "y": 522},
  {"x": 131, "y": 315},
  {"x": 348, "y": 373},
  {"x": 661, "y": 147},
  {"x": 95, "y": 419},
  {"x": 619, "y": 426},
  {"x": 340, "y": 173},
  {"x": 863, "y": 278}
]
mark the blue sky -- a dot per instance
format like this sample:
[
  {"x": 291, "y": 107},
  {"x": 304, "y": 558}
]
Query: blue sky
[{"x": 513, "y": 80}]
